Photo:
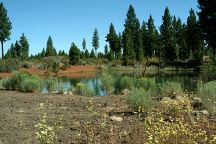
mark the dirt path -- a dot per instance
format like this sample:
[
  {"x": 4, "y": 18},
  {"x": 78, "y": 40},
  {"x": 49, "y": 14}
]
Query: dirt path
[{"x": 18, "y": 116}]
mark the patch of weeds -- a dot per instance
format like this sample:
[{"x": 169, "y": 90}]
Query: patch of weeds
[
  {"x": 207, "y": 92},
  {"x": 32, "y": 84},
  {"x": 83, "y": 90},
  {"x": 108, "y": 82},
  {"x": 51, "y": 84},
  {"x": 46, "y": 134},
  {"x": 140, "y": 100},
  {"x": 171, "y": 123}
]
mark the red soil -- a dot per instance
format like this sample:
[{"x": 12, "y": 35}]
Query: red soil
[{"x": 72, "y": 71}]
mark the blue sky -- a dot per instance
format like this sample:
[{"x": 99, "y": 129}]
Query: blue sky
[{"x": 68, "y": 21}]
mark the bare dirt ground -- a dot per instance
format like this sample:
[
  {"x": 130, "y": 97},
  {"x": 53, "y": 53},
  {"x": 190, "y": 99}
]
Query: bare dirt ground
[
  {"x": 80, "y": 71},
  {"x": 18, "y": 117}
]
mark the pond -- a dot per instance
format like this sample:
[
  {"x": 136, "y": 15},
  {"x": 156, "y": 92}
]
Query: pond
[{"x": 188, "y": 81}]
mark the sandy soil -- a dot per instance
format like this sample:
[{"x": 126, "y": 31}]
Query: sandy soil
[
  {"x": 18, "y": 116},
  {"x": 81, "y": 71}
]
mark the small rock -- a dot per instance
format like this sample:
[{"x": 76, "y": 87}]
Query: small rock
[
  {"x": 65, "y": 92},
  {"x": 197, "y": 103},
  {"x": 126, "y": 92},
  {"x": 202, "y": 113},
  {"x": 70, "y": 93},
  {"x": 115, "y": 118}
]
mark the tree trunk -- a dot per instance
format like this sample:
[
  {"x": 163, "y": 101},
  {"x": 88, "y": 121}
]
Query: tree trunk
[
  {"x": 214, "y": 49},
  {"x": 2, "y": 49}
]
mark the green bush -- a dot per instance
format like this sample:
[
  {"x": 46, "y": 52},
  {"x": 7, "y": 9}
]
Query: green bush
[
  {"x": 32, "y": 84},
  {"x": 23, "y": 82},
  {"x": 51, "y": 84},
  {"x": 208, "y": 72},
  {"x": 146, "y": 83},
  {"x": 14, "y": 82},
  {"x": 207, "y": 92},
  {"x": 127, "y": 83},
  {"x": 83, "y": 90},
  {"x": 169, "y": 89},
  {"x": 108, "y": 82},
  {"x": 8, "y": 65},
  {"x": 140, "y": 99}
]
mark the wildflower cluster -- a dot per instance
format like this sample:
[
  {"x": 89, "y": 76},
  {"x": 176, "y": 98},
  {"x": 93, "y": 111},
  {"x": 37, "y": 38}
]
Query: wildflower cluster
[
  {"x": 45, "y": 134},
  {"x": 173, "y": 123}
]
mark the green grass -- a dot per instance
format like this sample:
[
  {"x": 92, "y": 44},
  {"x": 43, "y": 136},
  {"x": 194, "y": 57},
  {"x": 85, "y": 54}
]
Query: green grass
[
  {"x": 23, "y": 82},
  {"x": 51, "y": 84},
  {"x": 207, "y": 92},
  {"x": 140, "y": 99},
  {"x": 83, "y": 90}
]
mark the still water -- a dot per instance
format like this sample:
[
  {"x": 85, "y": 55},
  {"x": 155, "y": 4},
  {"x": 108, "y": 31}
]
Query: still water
[{"x": 187, "y": 80}]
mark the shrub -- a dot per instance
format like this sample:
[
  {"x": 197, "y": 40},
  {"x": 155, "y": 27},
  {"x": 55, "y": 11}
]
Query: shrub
[
  {"x": 22, "y": 81},
  {"x": 126, "y": 83},
  {"x": 108, "y": 82},
  {"x": 146, "y": 83},
  {"x": 207, "y": 92},
  {"x": 14, "y": 82},
  {"x": 51, "y": 84},
  {"x": 169, "y": 89},
  {"x": 26, "y": 65},
  {"x": 83, "y": 90},
  {"x": 140, "y": 99},
  {"x": 32, "y": 84},
  {"x": 208, "y": 72},
  {"x": 8, "y": 65}
]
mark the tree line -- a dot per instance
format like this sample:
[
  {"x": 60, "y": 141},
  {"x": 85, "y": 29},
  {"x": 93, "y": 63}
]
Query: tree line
[{"x": 172, "y": 41}]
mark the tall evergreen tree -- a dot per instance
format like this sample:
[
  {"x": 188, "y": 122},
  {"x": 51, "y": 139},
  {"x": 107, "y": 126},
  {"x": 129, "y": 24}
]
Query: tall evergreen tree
[
  {"x": 95, "y": 40},
  {"x": 106, "y": 51},
  {"x": 50, "y": 50},
  {"x": 10, "y": 52},
  {"x": 17, "y": 50},
  {"x": 207, "y": 17},
  {"x": 131, "y": 37},
  {"x": 24, "y": 47},
  {"x": 84, "y": 44},
  {"x": 113, "y": 40},
  {"x": 92, "y": 54},
  {"x": 5, "y": 27},
  {"x": 43, "y": 53},
  {"x": 167, "y": 36},
  {"x": 74, "y": 54},
  {"x": 151, "y": 37},
  {"x": 144, "y": 37},
  {"x": 194, "y": 36}
]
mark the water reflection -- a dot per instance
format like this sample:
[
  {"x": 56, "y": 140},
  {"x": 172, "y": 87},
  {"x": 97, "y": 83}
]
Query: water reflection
[{"x": 188, "y": 81}]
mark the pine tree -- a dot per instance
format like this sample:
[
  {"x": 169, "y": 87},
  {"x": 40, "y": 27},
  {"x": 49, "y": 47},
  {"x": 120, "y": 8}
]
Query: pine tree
[
  {"x": 144, "y": 37},
  {"x": 17, "y": 50},
  {"x": 86, "y": 54},
  {"x": 167, "y": 36},
  {"x": 84, "y": 44},
  {"x": 113, "y": 40},
  {"x": 131, "y": 37},
  {"x": 9, "y": 55},
  {"x": 194, "y": 35},
  {"x": 43, "y": 53},
  {"x": 5, "y": 27},
  {"x": 50, "y": 50},
  {"x": 24, "y": 47},
  {"x": 74, "y": 54},
  {"x": 95, "y": 40},
  {"x": 106, "y": 51},
  {"x": 151, "y": 37},
  {"x": 92, "y": 54},
  {"x": 207, "y": 17}
]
